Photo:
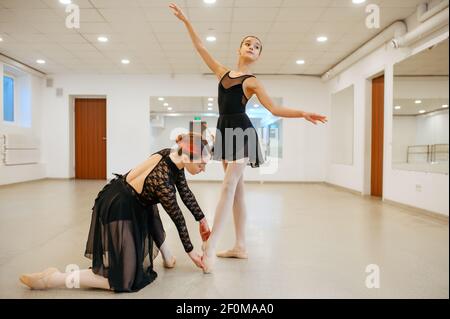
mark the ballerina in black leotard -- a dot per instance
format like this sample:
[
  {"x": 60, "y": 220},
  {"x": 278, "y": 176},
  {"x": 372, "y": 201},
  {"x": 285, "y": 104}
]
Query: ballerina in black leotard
[
  {"x": 236, "y": 149},
  {"x": 126, "y": 227}
]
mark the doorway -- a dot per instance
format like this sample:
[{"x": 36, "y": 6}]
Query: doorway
[
  {"x": 90, "y": 138},
  {"x": 377, "y": 145}
]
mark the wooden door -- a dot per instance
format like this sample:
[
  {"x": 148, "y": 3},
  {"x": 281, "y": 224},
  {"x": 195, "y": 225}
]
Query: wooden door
[
  {"x": 90, "y": 138},
  {"x": 377, "y": 136}
]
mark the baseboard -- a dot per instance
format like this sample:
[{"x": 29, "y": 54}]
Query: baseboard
[
  {"x": 346, "y": 189},
  {"x": 418, "y": 211}
]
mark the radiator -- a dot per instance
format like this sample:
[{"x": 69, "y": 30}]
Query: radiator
[{"x": 17, "y": 149}]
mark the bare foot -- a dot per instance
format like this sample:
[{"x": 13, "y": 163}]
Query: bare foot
[
  {"x": 38, "y": 280},
  {"x": 233, "y": 253}
]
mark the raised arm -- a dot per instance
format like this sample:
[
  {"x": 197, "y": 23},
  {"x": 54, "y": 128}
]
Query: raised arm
[
  {"x": 218, "y": 69},
  {"x": 256, "y": 87}
]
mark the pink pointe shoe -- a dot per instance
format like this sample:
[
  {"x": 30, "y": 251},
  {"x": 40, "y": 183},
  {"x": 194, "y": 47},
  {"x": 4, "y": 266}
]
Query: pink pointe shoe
[
  {"x": 171, "y": 263},
  {"x": 38, "y": 280},
  {"x": 207, "y": 260}
]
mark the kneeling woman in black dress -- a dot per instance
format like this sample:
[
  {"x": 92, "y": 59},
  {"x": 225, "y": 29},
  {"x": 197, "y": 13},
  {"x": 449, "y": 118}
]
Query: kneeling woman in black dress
[{"x": 126, "y": 227}]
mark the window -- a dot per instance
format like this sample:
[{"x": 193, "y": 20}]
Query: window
[{"x": 8, "y": 99}]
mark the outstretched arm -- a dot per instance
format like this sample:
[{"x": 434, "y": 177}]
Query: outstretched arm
[
  {"x": 256, "y": 87},
  {"x": 218, "y": 69}
]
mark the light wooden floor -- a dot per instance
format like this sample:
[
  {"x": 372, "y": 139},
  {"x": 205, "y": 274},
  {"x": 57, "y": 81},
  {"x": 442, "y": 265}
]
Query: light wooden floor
[{"x": 304, "y": 240}]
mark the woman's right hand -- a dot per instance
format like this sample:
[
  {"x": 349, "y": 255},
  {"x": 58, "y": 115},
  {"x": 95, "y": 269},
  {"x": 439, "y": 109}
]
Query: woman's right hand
[
  {"x": 177, "y": 12},
  {"x": 197, "y": 259},
  {"x": 204, "y": 229}
]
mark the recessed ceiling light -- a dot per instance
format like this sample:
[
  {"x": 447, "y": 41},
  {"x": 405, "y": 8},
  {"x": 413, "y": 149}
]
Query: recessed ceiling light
[
  {"x": 170, "y": 108},
  {"x": 102, "y": 39},
  {"x": 40, "y": 61},
  {"x": 210, "y": 104},
  {"x": 209, "y": 1},
  {"x": 422, "y": 111},
  {"x": 1, "y": 39},
  {"x": 210, "y": 99},
  {"x": 210, "y": 108},
  {"x": 398, "y": 107},
  {"x": 125, "y": 61},
  {"x": 358, "y": 1},
  {"x": 65, "y": 1},
  {"x": 160, "y": 99},
  {"x": 211, "y": 38},
  {"x": 300, "y": 61},
  {"x": 445, "y": 106},
  {"x": 322, "y": 39},
  {"x": 417, "y": 101},
  {"x": 166, "y": 104},
  {"x": 255, "y": 105}
]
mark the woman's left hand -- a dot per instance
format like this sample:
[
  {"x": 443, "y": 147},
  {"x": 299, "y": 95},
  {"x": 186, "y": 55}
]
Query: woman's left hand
[
  {"x": 314, "y": 118},
  {"x": 204, "y": 229}
]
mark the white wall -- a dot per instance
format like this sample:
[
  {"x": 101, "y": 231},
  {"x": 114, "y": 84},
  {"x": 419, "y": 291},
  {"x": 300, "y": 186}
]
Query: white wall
[
  {"x": 128, "y": 124},
  {"x": 28, "y": 113},
  {"x": 398, "y": 186}
]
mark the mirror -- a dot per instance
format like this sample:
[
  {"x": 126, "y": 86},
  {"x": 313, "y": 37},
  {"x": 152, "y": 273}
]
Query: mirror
[
  {"x": 342, "y": 109},
  {"x": 171, "y": 116},
  {"x": 420, "y": 114}
]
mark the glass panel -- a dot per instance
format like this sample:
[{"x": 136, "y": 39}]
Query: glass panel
[
  {"x": 170, "y": 116},
  {"x": 342, "y": 105},
  {"x": 8, "y": 99},
  {"x": 420, "y": 114}
]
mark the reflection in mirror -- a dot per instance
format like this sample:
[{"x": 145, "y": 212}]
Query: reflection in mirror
[
  {"x": 420, "y": 114},
  {"x": 171, "y": 116},
  {"x": 342, "y": 106}
]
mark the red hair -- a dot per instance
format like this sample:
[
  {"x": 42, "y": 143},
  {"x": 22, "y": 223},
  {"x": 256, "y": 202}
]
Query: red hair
[{"x": 193, "y": 145}]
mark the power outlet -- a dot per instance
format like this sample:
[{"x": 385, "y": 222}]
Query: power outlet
[{"x": 418, "y": 188}]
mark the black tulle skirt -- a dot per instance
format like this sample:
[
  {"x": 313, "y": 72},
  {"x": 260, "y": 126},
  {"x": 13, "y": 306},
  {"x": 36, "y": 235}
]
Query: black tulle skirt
[
  {"x": 123, "y": 237},
  {"x": 236, "y": 138}
]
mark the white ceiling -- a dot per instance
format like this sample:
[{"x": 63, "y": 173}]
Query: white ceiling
[
  {"x": 433, "y": 61},
  {"x": 410, "y": 107},
  {"x": 146, "y": 33}
]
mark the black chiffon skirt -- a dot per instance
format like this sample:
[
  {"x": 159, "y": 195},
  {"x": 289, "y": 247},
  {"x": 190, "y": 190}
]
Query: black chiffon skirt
[
  {"x": 124, "y": 237},
  {"x": 236, "y": 138}
]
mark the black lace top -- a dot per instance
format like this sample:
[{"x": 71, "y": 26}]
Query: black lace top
[{"x": 159, "y": 187}]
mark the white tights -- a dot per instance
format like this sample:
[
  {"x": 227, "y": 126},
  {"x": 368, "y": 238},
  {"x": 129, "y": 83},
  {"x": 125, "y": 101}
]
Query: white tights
[
  {"x": 87, "y": 279},
  {"x": 231, "y": 197}
]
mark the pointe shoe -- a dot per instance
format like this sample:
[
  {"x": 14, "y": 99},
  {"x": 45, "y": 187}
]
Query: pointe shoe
[
  {"x": 170, "y": 264},
  {"x": 38, "y": 280},
  {"x": 233, "y": 253},
  {"x": 209, "y": 262}
]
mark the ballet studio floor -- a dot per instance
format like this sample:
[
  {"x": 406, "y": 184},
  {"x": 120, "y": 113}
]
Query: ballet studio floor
[{"x": 304, "y": 241}]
